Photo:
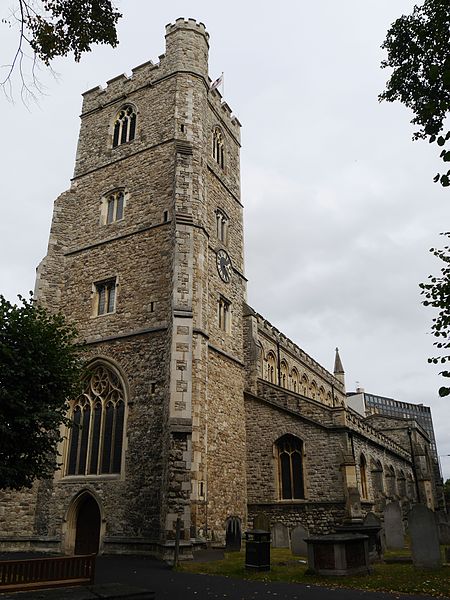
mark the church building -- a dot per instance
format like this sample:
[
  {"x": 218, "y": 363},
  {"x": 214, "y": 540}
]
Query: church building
[{"x": 194, "y": 406}]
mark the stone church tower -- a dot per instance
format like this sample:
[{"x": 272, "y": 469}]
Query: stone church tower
[
  {"x": 194, "y": 406},
  {"x": 146, "y": 258}
]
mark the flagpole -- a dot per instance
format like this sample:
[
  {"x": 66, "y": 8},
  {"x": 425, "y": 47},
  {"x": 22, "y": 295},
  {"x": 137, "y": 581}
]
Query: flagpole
[{"x": 223, "y": 85}]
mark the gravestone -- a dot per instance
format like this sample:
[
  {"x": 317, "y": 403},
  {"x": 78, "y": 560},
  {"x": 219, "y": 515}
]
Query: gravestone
[
  {"x": 280, "y": 536},
  {"x": 233, "y": 534},
  {"x": 372, "y": 526},
  {"x": 424, "y": 537},
  {"x": 393, "y": 527},
  {"x": 443, "y": 527},
  {"x": 261, "y": 521},
  {"x": 298, "y": 545}
]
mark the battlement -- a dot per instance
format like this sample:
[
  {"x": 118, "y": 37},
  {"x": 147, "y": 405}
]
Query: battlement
[
  {"x": 188, "y": 24},
  {"x": 224, "y": 110}
]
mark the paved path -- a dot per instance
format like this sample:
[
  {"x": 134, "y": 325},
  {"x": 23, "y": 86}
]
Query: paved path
[{"x": 146, "y": 573}]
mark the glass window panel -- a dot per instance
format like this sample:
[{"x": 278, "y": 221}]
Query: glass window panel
[
  {"x": 110, "y": 215},
  {"x": 101, "y": 299},
  {"x": 111, "y": 297},
  {"x": 132, "y": 126},
  {"x": 74, "y": 437},
  {"x": 285, "y": 466},
  {"x": 297, "y": 475},
  {"x": 119, "y": 210},
  {"x": 116, "y": 134},
  {"x": 118, "y": 436},
  {"x": 84, "y": 441},
  {"x": 123, "y": 137},
  {"x": 107, "y": 439},
  {"x": 95, "y": 444}
]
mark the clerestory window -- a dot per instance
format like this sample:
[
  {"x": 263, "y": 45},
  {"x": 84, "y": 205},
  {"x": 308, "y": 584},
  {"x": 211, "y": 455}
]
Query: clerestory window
[
  {"x": 98, "y": 415},
  {"x": 124, "y": 126}
]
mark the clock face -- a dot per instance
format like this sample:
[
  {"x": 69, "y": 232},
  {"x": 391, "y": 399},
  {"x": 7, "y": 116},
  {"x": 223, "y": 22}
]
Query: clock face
[{"x": 224, "y": 265}]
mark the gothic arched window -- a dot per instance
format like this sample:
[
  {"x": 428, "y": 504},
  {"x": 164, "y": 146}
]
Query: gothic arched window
[
  {"x": 294, "y": 380},
  {"x": 113, "y": 207},
  {"x": 218, "y": 152},
  {"x": 290, "y": 468},
  {"x": 222, "y": 226},
  {"x": 124, "y": 126},
  {"x": 98, "y": 414},
  {"x": 271, "y": 367}
]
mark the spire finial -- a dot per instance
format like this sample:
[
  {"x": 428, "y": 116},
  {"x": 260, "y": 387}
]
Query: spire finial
[{"x": 338, "y": 368}]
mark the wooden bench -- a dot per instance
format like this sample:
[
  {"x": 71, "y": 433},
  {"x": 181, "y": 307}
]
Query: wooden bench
[{"x": 34, "y": 573}]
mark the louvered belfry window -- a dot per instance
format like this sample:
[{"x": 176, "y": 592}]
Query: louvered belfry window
[{"x": 96, "y": 438}]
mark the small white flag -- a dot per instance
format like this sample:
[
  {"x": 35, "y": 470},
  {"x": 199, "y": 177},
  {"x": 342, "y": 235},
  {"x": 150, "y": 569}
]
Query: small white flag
[{"x": 216, "y": 83}]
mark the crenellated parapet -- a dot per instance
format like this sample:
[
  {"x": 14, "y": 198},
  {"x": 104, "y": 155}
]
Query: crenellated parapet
[
  {"x": 187, "y": 25},
  {"x": 224, "y": 112}
]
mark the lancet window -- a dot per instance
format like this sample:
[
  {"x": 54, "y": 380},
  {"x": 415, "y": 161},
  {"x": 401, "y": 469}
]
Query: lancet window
[{"x": 218, "y": 152}]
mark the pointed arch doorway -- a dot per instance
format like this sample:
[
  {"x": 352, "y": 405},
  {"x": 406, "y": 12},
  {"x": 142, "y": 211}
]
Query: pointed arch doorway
[{"x": 87, "y": 528}]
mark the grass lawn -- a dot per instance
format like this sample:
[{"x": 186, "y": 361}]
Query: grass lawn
[{"x": 286, "y": 567}]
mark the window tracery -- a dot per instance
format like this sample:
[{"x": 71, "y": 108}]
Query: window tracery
[
  {"x": 96, "y": 438},
  {"x": 124, "y": 126},
  {"x": 271, "y": 368},
  {"x": 114, "y": 206},
  {"x": 290, "y": 468}
]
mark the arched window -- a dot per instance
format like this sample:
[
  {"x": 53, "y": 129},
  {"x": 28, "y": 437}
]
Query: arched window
[
  {"x": 377, "y": 476},
  {"x": 271, "y": 368},
  {"x": 401, "y": 480},
  {"x": 95, "y": 440},
  {"x": 313, "y": 390},
  {"x": 290, "y": 468},
  {"x": 113, "y": 207},
  {"x": 295, "y": 380},
  {"x": 222, "y": 226},
  {"x": 329, "y": 399},
  {"x": 363, "y": 475},
  {"x": 391, "y": 487},
  {"x": 322, "y": 393},
  {"x": 305, "y": 385},
  {"x": 284, "y": 373},
  {"x": 217, "y": 148},
  {"x": 124, "y": 126}
]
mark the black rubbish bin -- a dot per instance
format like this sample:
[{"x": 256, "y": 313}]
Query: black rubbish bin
[{"x": 257, "y": 550}]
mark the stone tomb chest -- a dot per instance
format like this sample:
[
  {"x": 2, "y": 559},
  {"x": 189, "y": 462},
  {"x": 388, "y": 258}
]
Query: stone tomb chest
[{"x": 338, "y": 554}]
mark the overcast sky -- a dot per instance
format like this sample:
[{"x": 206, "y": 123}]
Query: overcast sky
[{"x": 340, "y": 207}]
